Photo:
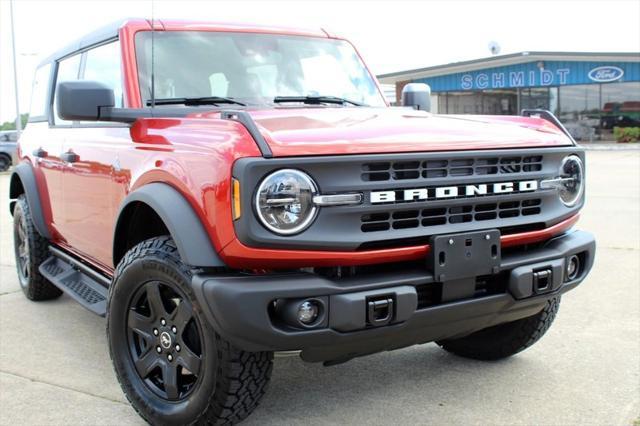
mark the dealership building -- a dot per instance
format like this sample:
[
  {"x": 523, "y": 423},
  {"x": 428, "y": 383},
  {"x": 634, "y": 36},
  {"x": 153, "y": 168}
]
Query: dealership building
[{"x": 594, "y": 89}]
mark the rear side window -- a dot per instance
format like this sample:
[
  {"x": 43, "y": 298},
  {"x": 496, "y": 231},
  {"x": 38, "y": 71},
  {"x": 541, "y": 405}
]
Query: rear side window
[
  {"x": 68, "y": 70},
  {"x": 103, "y": 65},
  {"x": 39, "y": 94}
]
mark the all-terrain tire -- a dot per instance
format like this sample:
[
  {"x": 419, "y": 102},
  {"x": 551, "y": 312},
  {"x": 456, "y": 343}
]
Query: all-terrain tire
[
  {"x": 504, "y": 340},
  {"x": 31, "y": 249},
  {"x": 232, "y": 381}
]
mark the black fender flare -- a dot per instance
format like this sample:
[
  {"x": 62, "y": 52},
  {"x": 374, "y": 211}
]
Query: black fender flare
[
  {"x": 183, "y": 224},
  {"x": 24, "y": 175}
]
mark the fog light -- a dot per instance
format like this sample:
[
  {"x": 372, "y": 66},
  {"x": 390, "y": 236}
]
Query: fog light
[
  {"x": 308, "y": 312},
  {"x": 573, "y": 267}
]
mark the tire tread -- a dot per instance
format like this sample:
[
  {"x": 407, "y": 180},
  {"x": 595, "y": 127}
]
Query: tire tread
[
  {"x": 38, "y": 287},
  {"x": 504, "y": 340},
  {"x": 242, "y": 377}
]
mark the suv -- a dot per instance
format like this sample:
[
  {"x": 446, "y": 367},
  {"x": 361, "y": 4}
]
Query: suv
[
  {"x": 222, "y": 193},
  {"x": 8, "y": 144}
]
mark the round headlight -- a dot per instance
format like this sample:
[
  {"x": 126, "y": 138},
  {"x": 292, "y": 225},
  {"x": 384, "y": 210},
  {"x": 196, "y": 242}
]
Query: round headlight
[
  {"x": 284, "y": 201},
  {"x": 571, "y": 180}
]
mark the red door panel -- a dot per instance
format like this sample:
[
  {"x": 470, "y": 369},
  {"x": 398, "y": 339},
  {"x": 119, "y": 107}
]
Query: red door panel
[{"x": 90, "y": 190}]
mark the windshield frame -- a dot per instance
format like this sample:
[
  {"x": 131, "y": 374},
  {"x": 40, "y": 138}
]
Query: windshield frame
[{"x": 137, "y": 58}]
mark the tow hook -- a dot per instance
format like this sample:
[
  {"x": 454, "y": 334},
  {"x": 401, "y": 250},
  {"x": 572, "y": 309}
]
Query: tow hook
[{"x": 379, "y": 311}]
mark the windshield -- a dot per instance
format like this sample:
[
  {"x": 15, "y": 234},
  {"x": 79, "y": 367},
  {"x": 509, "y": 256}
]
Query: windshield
[{"x": 251, "y": 68}]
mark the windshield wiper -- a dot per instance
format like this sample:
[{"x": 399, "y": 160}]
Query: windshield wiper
[
  {"x": 207, "y": 100},
  {"x": 316, "y": 100}
]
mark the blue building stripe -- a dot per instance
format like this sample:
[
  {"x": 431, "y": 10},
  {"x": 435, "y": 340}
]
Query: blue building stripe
[{"x": 553, "y": 73}]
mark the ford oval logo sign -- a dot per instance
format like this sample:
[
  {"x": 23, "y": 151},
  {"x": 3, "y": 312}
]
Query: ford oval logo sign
[{"x": 605, "y": 74}]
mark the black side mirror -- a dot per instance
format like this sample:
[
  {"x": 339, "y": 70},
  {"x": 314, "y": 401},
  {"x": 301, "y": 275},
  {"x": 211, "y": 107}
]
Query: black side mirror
[
  {"x": 417, "y": 96},
  {"x": 82, "y": 100}
]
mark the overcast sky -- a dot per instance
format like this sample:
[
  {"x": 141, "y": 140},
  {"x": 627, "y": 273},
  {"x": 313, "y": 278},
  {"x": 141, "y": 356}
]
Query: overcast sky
[{"x": 391, "y": 35}]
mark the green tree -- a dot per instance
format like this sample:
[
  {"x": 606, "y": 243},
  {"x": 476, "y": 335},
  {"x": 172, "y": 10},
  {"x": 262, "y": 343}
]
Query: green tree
[{"x": 11, "y": 125}]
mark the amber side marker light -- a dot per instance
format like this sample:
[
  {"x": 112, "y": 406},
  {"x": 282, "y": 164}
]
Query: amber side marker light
[{"x": 237, "y": 211}]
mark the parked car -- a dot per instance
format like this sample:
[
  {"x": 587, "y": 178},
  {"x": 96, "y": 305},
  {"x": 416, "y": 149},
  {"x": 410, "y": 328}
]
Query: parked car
[
  {"x": 8, "y": 144},
  {"x": 620, "y": 114},
  {"x": 225, "y": 192}
]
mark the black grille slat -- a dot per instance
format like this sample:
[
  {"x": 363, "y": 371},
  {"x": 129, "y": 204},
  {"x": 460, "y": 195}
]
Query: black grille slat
[
  {"x": 472, "y": 212},
  {"x": 460, "y": 167}
]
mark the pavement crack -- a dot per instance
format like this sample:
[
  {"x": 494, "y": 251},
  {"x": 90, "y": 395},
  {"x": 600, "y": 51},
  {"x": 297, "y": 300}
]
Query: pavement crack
[
  {"x": 31, "y": 379},
  {"x": 9, "y": 292}
]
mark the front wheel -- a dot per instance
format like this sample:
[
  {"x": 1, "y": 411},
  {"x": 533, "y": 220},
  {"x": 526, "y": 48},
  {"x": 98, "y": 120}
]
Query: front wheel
[
  {"x": 172, "y": 366},
  {"x": 504, "y": 340}
]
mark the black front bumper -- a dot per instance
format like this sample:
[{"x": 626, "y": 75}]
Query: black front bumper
[{"x": 240, "y": 307}]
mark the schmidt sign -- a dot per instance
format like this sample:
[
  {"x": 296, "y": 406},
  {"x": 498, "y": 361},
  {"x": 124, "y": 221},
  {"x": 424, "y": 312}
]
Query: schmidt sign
[
  {"x": 498, "y": 80},
  {"x": 532, "y": 75}
]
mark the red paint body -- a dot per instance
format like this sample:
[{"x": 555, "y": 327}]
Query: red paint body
[{"x": 195, "y": 155}]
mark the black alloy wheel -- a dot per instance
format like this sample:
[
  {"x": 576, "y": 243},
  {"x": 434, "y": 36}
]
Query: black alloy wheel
[
  {"x": 173, "y": 366},
  {"x": 21, "y": 242},
  {"x": 165, "y": 340},
  {"x": 30, "y": 249}
]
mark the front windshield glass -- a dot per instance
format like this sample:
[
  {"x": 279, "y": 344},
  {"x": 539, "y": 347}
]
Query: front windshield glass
[{"x": 251, "y": 68}]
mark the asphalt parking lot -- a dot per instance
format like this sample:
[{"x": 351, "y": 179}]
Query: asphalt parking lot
[{"x": 55, "y": 367}]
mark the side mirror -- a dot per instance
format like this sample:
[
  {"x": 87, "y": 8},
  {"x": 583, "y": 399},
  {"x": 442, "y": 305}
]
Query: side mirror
[
  {"x": 417, "y": 96},
  {"x": 82, "y": 100}
]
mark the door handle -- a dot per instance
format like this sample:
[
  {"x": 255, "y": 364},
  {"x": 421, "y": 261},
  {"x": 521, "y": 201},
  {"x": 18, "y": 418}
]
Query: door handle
[
  {"x": 40, "y": 153},
  {"x": 69, "y": 157}
]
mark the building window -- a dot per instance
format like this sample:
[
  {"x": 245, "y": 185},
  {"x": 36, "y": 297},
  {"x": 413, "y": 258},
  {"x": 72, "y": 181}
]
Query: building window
[
  {"x": 620, "y": 105},
  {"x": 602, "y": 106},
  {"x": 579, "y": 103}
]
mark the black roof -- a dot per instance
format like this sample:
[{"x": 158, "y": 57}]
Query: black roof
[{"x": 101, "y": 34}]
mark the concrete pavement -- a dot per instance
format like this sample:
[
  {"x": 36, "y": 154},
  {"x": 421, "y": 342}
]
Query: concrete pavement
[{"x": 55, "y": 367}]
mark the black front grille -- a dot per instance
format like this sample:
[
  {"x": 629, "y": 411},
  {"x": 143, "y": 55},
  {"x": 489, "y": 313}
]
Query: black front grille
[
  {"x": 441, "y": 168},
  {"x": 481, "y": 201},
  {"x": 404, "y": 219}
]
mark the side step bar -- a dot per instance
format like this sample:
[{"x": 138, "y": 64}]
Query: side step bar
[{"x": 79, "y": 281}]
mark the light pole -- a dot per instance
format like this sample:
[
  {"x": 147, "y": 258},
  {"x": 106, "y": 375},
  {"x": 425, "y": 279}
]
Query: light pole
[{"x": 15, "y": 73}]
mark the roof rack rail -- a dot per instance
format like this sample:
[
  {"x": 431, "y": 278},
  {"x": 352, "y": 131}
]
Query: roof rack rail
[
  {"x": 246, "y": 120},
  {"x": 547, "y": 115}
]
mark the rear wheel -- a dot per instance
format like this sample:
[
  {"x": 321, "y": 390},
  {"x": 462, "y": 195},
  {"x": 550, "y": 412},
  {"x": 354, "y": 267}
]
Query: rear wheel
[
  {"x": 30, "y": 251},
  {"x": 504, "y": 340},
  {"x": 173, "y": 367}
]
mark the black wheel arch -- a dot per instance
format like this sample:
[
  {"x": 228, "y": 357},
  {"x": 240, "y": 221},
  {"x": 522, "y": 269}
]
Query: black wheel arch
[
  {"x": 23, "y": 181},
  {"x": 168, "y": 212}
]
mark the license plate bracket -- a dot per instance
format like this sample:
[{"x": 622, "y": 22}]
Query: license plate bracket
[{"x": 464, "y": 255}]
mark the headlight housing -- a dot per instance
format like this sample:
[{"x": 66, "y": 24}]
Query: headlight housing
[
  {"x": 284, "y": 201},
  {"x": 570, "y": 182}
]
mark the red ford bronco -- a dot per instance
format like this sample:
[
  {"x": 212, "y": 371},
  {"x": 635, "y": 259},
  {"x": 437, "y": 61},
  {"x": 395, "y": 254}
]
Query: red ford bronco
[{"x": 222, "y": 193}]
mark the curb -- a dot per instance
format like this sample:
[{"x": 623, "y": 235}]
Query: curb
[{"x": 610, "y": 146}]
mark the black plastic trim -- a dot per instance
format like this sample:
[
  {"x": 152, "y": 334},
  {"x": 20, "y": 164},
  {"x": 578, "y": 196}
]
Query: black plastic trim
[
  {"x": 25, "y": 173},
  {"x": 86, "y": 269},
  {"x": 237, "y": 305},
  {"x": 548, "y": 115},
  {"x": 339, "y": 227},
  {"x": 246, "y": 120},
  {"x": 184, "y": 225},
  {"x": 82, "y": 283}
]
